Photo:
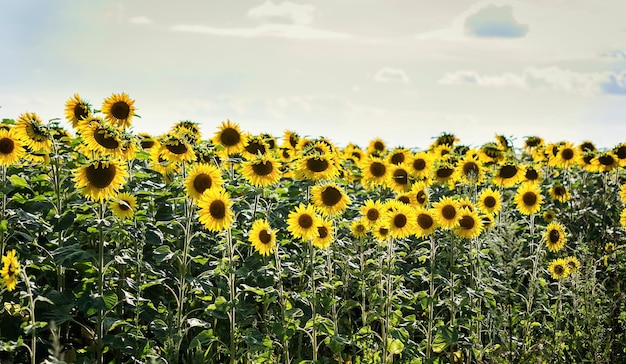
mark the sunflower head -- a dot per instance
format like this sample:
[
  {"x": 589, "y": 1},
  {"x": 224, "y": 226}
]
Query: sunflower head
[
  {"x": 555, "y": 236},
  {"x": 11, "y": 148},
  {"x": 358, "y": 228},
  {"x": 201, "y": 178},
  {"x": 100, "y": 179},
  {"x": 263, "y": 170},
  {"x": 329, "y": 198},
  {"x": 10, "y": 270},
  {"x": 447, "y": 212},
  {"x": 215, "y": 210},
  {"x": 262, "y": 237},
  {"x": 33, "y": 133},
  {"x": 376, "y": 147},
  {"x": 302, "y": 222},
  {"x": 528, "y": 199},
  {"x": 119, "y": 109},
  {"x": 324, "y": 234},
  {"x": 77, "y": 110},
  {"x": 558, "y": 269},
  {"x": 470, "y": 224},
  {"x": 123, "y": 205},
  {"x": 230, "y": 137}
]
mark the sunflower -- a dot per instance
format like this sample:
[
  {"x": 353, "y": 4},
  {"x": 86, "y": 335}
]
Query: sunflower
[
  {"x": 609, "y": 247},
  {"x": 187, "y": 130},
  {"x": 532, "y": 174},
  {"x": 426, "y": 222},
  {"x": 573, "y": 264},
  {"x": 399, "y": 178},
  {"x": 469, "y": 170},
  {"x": 123, "y": 205},
  {"x": 119, "y": 109},
  {"x": 262, "y": 237},
  {"x": 358, "y": 228},
  {"x": 201, "y": 178},
  {"x": 487, "y": 220},
  {"x": 37, "y": 157},
  {"x": 622, "y": 192},
  {"x": 77, "y": 110},
  {"x": 33, "y": 133},
  {"x": 447, "y": 212},
  {"x": 230, "y": 137},
  {"x": 528, "y": 199},
  {"x": 176, "y": 149},
  {"x": 329, "y": 198},
  {"x": 398, "y": 156},
  {"x": 376, "y": 147},
  {"x": 509, "y": 174},
  {"x": 533, "y": 142},
  {"x": 11, "y": 148},
  {"x": 162, "y": 165},
  {"x": 444, "y": 172},
  {"x": 419, "y": 191},
  {"x": 324, "y": 235},
  {"x": 443, "y": 152},
  {"x": 406, "y": 198},
  {"x": 559, "y": 193},
  {"x": 371, "y": 211},
  {"x": 302, "y": 222},
  {"x": 558, "y": 268},
  {"x": 401, "y": 221},
  {"x": 421, "y": 165},
  {"x": 622, "y": 218},
  {"x": 317, "y": 168},
  {"x": 255, "y": 146},
  {"x": 489, "y": 201},
  {"x": 470, "y": 224},
  {"x": 555, "y": 236},
  {"x": 101, "y": 138},
  {"x": 353, "y": 153},
  {"x": 290, "y": 139},
  {"x": 549, "y": 216},
  {"x": 620, "y": 153},
  {"x": 504, "y": 143},
  {"x": 100, "y": 179},
  {"x": 490, "y": 153},
  {"x": 262, "y": 171},
  {"x": 465, "y": 203},
  {"x": 566, "y": 156},
  {"x": 381, "y": 232},
  {"x": 605, "y": 162},
  {"x": 445, "y": 139},
  {"x": 215, "y": 209},
  {"x": 375, "y": 172},
  {"x": 10, "y": 270}
]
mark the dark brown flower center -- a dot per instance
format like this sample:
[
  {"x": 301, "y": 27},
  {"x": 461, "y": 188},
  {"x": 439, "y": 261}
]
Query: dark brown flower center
[
  {"x": 554, "y": 236},
  {"x": 372, "y": 214},
  {"x": 559, "y": 190},
  {"x": 217, "y": 209},
  {"x": 400, "y": 221},
  {"x": 202, "y": 182},
  {"x": 559, "y": 269},
  {"x": 379, "y": 146},
  {"x": 397, "y": 158},
  {"x": 606, "y": 160},
  {"x": 425, "y": 221},
  {"x": 255, "y": 148},
  {"x": 444, "y": 172},
  {"x": 120, "y": 110},
  {"x": 529, "y": 198},
  {"x": 508, "y": 171},
  {"x": 7, "y": 145},
  {"x": 531, "y": 174},
  {"x": 405, "y": 200},
  {"x": 621, "y": 152},
  {"x": 322, "y": 232},
  {"x": 378, "y": 169},
  {"x": 467, "y": 222},
  {"x": 448, "y": 212},
  {"x": 567, "y": 154},
  {"x": 293, "y": 140},
  {"x": 230, "y": 137},
  {"x": 317, "y": 165},
  {"x": 421, "y": 197},
  {"x": 331, "y": 196},
  {"x": 81, "y": 112},
  {"x": 101, "y": 177},
  {"x": 305, "y": 221},
  {"x": 147, "y": 143},
  {"x": 100, "y": 135},
  {"x": 490, "y": 202},
  {"x": 401, "y": 177},
  {"x": 123, "y": 205},
  {"x": 470, "y": 169},
  {"x": 419, "y": 164},
  {"x": 265, "y": 237},
  {"x": 263, "y": 168}
]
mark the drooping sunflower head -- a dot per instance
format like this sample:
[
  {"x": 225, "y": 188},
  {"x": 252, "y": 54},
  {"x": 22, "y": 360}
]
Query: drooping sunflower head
[
  {"x": 329, "y": 198},
  {"x": 146, "y": 141},
  {"x": 33, "y": 133},
  {"x": 532, "y": 142},
  {"x": 262, "y": 237},
  {"x": 100, "y": 179},
  {"x": 555, "y": 236},
  {"x": 119, "y": 109},
  {"x": 202, "y": 177},
  {"x": 215, "y": 210},
  {"x": 528, "y": 199},
  {"x": 586, "y": 147},
  {"x": 445, "y": 139},
  {"x": 490, "y": 153},
  {"x": 10, "y": 270},
  {"x": 504, "y": 143},
  {"x": 11, "y": 148},
  {"x": 324, "y": 235},
  {"x": 123, "y": 205},
  {"x": 447, "y": 212},
  {"x": 77, "y": 110},
  {"x": 620, "y": 153},
  {"x": 470, "y": 224},
  {"x": 187, "y": 130},
  {"x": 302, "y": 222},
  {"x": 176, "y": 149},
  {"x": 558, "y": 268},
  {"x": 290, "y": 139},
  {"x": 489, "y": 201},
  {"x": 100, "y": 138},
  {"x": 559, "y": 193},
  {"x": 262, "y": 171},
  {"x": 255, "y": 146},
  {"x": 230, "y": 137}
]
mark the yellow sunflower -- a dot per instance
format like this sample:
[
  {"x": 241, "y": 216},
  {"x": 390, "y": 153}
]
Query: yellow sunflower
[
  {"x": 532, "y": 174},
  {"x": 353, "y": 153},
  {"x": 399, "y": 156},
  {"x": 443, "y": 172},
  {"x": 261, "y": 171},
  {"x": 202, "y": 177},
  {"x": 376, "y": 147},
  {"x": 317, "y": 168},
  {"x": 622, "y": 219},
  {"x": 406, "y": 198},
  {"x": 555, "y": 236},
  {"x": 421, "y": 165},
  {"x": 371, "y": 211},
  {"x": 445, "y": 139},
  {"x": 33, "y": 133},
  {"x": 187, "y": 130},
  {"x": 548, "y": 216},
  {"x": 290, "y": 139},
  {"x": 146, "y": 141},
  {"x": 419, "y": 191},
  {"x": 566, "y": 156},
  {"x": 401, "y": 221},
  {"x": 215, "y": 210},
  {"x": 358, "y": 228},
  {"x": 399, "y": 178},
  {"x": 426, "y": 222},
  {"x": 10, "y": 270},
  {"x": 469, "y": 170},
  {"x": 620, "y": 153},
  {"x": 302, "y": 222},
  {"x": 509, "y": 174},
  {"x": 622, "y": 192},
  {"x": 100, "y": 179},
  {"x": 605, "y": 162},
  {"x": 329, "y": 198},
  {"x": 447, "y": 212},
  {"x": 381, "y": 232},
  {"x": 528, "y": 199},
  {"x": 559, "y": 193},
  {"x": 119, "y": 109},
  {"x": 162, "y": 165},
  {"x": 76, "y": 110},
  {"x": 489, "y": 201},
  {"x": 255, "y": 146},
  {"x": 572, "y": 263},
  {"x": 376, "y": 172},
  {"x": 176, "y": 149},
  {"x": 230, "y": 137},
  {"x": 487, "y": 221},
  {"x": 262, "y": 237},
  {"x": 470, "y": 224},
  {"x": 123, "y": 205},
  {"x": 11, "y": 148},
  {"x": 324, "y": 235},
  {"x": 532, "y": 142},
  {"x": 100, "y": 138},
  {"x": 558, "y": 268}
]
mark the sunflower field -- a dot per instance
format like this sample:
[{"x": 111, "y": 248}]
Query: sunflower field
[{"x": 124, "y": 247}]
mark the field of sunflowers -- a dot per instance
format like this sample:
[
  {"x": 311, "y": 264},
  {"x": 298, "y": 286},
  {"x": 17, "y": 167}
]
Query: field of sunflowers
[{"x": 124, "y": 247}]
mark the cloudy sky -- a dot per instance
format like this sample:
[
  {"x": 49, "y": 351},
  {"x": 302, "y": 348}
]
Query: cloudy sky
[{"x": 349, "y": 70}]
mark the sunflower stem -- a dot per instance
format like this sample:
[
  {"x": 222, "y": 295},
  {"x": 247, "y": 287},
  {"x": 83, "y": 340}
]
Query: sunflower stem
[
  {"x": 388, "y": 299},
  {"x": 431, "y": 296},
  {"x": 3, "y": 208},
  {"x": 452, "y": 296},
  {"x": 233, "y": 296},
  {"x": 100, "y": 318},
  {"x": 313, "y": 302},
  {"x": 31, "y": 313},
  {"x": 283, "y": 304}
]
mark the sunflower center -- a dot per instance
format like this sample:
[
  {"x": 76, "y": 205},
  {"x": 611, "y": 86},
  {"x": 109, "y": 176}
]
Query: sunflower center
[
  {"x": 379, "y": 146},
  {"x": 202, "y": 182},
  {"x": 372, "y": 214},
  {"x": 554, "y": 236},
  {"x": 401, "y": 177},
  {"x": 444, "y": 172},
  {"x": 490, "y": 202},
  {"x": 559, "y": 269},
  {"x": 178, "y": 149},
  {"x": 405, "y": 200},
  {"x": 419, "y": 164},
  {"x": 399, "y": 221},
  {"x": 230, "y": 137},
  {"x": 262, "y": 168},
  {"x": 101, "y": 177},
  {"x": 80, "y": 112},
  {"x": 606, "y": 160},
  {"x": 331, "y": 196},
  {"x": 317, "y": 164},
  {"x": 467, "y": 222},
  {"x": 265, "y": 237},
  {"x": 621, "y": 152},
  {"x": 421, "y": 197},
  {"x": 383, "y": 231},
  {"x": 255, "y": 148},
  {"x": 147, "y": 143},
  {"x": 217, "y": 209},
  {"x": 508, "y": 171},
  {"x": 293, "y": 140},
  {"x": 448, "y": 212},
  {"x": 305, "y": 221},
  {"x": 123, "y": 205},
  {"x": 359, "y": 228},
  {"x": 7, "y": 145},
  {"x": 101, "y": 136},
  {"x": 531, "y": 174},
  {"x": 322, "y": 232},
  {"x": 286, "y": 154},
  {"x": 567, "y": 154},
  {"x": 470, "y": 168},
  {"x": 397, "y": 158},
  {"x": 378, "y": 169},
  {"x": 425, "y": 221},
  {"x": 529, "y": 198},
  {"x": 120, "y": 110},
  {"x": 560, "y": 190}
]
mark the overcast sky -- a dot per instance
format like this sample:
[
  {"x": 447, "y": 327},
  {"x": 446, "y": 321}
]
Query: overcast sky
[{"x": 349, "y": 70}]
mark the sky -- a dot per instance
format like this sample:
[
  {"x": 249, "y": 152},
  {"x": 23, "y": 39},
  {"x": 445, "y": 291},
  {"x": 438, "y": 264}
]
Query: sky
[{"x": 405, "y": 71}]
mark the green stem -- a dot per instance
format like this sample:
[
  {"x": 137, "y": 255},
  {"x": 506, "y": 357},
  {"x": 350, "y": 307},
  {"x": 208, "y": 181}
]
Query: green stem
[
  {"x": 283, "y": 304},
  {"x": 31, "y": 311},
  {"x": 313, "y": 302},
  {"x": 101, "y": 273},
  {"x": 3, "y": 208},
  {"x": 431, "y": 299},
  {"x": 233, "y": 297}
]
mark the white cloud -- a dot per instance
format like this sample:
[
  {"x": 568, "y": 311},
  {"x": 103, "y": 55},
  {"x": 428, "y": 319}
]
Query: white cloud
[
  {"x": 140, "y": 20},
  {"x": 285, "y": 11},
  {"x": 556, "y": 78},
  {"x": 265, "y": 30},
  {"x": 390, "y": 74},
  {"x": 495, "y": 22}
]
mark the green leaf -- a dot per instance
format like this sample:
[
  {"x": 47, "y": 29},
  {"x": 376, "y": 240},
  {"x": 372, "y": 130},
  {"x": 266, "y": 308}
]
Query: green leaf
[{"x": 18, "y": 181}]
